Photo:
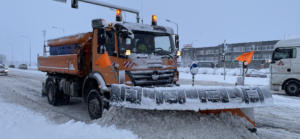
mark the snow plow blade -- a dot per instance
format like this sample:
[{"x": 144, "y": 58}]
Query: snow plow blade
[{"x": 190, "y": 98}]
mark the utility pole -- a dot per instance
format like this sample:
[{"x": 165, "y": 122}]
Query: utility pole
[
  {"x": 44, "y": 52},
  {"x": 174, "y": 23},
  {"x": 224, "y": 51},
  {"x": 29, "y": 49}
]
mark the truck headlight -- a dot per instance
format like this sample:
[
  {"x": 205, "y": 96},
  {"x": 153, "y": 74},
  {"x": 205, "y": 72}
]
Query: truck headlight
[
  {"x": 178, "y": 53},
  {"x": 127, "y": 52},
  {"x": 5, "y": 70}
]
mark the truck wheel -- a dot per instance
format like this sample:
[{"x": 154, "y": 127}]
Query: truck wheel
[
  {"x": 292, "y": 87},
  {"x": 95, "y": 105},
  {"x": 52, "y": 95}
]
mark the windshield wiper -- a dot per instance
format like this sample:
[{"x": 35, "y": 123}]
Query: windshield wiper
[{"x": 163, "y": 53}]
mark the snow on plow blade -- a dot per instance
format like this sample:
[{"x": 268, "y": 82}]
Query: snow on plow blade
[{"x": 190, "y": 98}]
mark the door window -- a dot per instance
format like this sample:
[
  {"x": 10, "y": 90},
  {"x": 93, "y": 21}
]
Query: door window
[{"x": 284, "y": 54}]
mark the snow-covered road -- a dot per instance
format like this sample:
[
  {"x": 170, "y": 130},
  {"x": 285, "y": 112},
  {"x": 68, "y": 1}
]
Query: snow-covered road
[{"x": 22, "y": 87}]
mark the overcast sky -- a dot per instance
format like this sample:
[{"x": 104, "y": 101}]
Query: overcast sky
[{"x": 209, "y": 22}]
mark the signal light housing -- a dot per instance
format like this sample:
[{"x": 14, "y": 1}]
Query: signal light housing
[
  {"x": 245, "y": 64},
  {"x": 154, "y": 20},
  {"x": 119, "y": 15}
]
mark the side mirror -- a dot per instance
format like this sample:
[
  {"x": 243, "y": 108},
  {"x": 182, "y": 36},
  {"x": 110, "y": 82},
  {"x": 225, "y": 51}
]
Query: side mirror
[
  {"x": 177, "y": 41},
  {"x": 115, "y": 53}
]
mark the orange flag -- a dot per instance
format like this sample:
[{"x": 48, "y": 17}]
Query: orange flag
[
  {"x": 103, "y": 61},
  {"x": 245, "y": 57}
]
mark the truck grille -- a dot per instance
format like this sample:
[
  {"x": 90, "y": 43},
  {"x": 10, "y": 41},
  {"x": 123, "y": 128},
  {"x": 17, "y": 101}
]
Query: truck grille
[{"x": 147, "y": 78}]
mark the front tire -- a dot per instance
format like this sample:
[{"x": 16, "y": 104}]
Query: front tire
[
  {"x": 52, "y": 94},
  {"x": 95, "y": 104},
  {"x": 292, "y": 87}
]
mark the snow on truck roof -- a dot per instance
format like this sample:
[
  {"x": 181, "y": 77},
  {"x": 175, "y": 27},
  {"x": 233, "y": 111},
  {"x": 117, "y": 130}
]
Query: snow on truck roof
[
  {"x": 294, "y": 41},
  {"x": 146, "y": 27},
  {"x": 102, "y": 23}
]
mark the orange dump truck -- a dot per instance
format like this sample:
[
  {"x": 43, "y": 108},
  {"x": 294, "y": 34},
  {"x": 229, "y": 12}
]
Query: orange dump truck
[{"x": 143, "y": 73}]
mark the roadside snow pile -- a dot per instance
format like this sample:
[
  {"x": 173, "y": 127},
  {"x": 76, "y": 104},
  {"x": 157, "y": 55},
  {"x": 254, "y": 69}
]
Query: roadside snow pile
[
  {"x": 232, "y": 72},
  {"x": 153, "y": 124},
  {"x": 18, "y": 122},
  {"x": 220, "y": 78}
]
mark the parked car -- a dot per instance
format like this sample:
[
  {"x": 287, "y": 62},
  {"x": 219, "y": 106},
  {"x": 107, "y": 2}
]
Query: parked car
[
  {"x": 3, "y": 70},
  {"x": 22, "y": 66},
  {"x": 11, "y": 66},
  {"x": 255, "y": 73}
]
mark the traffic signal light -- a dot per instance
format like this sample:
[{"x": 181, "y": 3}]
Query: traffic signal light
[
  {"x": 222, "y": 58},
  {"x": 245, "y": 64},
  {"x": 74, "y": 4}
]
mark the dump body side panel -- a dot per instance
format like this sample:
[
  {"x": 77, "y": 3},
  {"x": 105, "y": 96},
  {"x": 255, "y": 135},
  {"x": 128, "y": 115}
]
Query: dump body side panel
[{"x": 66, "y": 64}]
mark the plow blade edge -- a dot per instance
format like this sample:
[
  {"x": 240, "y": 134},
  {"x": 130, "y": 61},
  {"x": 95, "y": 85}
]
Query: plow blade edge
[{"x": 190, "y": 98}]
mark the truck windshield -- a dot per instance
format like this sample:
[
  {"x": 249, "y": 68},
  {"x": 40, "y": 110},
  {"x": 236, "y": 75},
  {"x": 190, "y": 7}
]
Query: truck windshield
[
  {"x": 284, "y": 54},
  {"x": 149, "y": 42}
]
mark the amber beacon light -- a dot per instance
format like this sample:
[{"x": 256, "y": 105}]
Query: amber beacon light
[
  {"x": 154, "y": 20},
  {"x": 119, "y": 15}
]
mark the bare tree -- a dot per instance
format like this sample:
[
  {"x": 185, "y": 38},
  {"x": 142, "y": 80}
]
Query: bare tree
[{"x": 187, "y": 61}]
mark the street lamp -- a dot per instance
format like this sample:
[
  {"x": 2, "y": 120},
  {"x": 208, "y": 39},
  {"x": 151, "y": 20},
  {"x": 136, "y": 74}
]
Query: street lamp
[
  {"x": 59, "y": 28},
  {"x": 12, "y": 52},
  {"x": 192, "y": 42},
  {"x": 29, "y": 49},
  {"x": 174, "y": 23}
]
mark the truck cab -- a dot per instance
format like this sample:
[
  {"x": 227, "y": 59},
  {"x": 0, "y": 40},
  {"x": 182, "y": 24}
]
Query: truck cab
[
  {"x": 142, "y": 55},
  {"x": 285, "y": 67}
]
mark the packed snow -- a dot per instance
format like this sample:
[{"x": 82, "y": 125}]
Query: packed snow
[
  {"x": 20, "y": 99},
  {"x": 153, "y": 124}
]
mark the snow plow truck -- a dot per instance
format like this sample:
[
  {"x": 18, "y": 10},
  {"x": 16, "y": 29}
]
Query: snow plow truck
[{"x": 143, "y": 73}]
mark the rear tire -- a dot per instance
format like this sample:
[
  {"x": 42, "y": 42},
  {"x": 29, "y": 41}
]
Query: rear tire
[
  {"x": 52, "y": 94},
  {"x": 292, "y": 87},
  {"x": 95, "y": 104}
]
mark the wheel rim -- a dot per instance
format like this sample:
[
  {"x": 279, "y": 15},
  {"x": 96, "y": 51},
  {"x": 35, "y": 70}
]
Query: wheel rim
[
  {"x": 293, "y": 88},
  {"x": 50, "y": 93},
  {"x": 94, "y": 106}
]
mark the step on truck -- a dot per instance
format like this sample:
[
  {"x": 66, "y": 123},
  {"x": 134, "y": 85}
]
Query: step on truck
[
  {"x": 285, "y": 67},
  {"x": 143, "y": 72}
]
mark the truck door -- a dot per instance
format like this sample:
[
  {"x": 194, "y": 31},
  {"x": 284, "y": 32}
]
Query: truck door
[
  {"x": 109, "y": 47},
  {"x": 282, "y": 60}
]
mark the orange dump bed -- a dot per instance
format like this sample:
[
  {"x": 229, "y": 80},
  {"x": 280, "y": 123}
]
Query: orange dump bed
[
  {"x": 59, "y": 64},
  {"x": 70, "y": 40}
]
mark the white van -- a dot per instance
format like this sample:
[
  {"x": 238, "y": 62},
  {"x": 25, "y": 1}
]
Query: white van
[{"x": 285, "y": 67}]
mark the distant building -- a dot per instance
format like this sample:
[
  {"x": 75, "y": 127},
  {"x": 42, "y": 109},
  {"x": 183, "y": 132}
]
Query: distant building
[{"x": 210, "y": 56}]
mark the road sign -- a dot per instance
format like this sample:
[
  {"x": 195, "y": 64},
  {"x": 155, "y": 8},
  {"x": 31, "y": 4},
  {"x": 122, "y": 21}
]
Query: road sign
[
  {"x": 225, "y": 47},
  {"x": 233, "y": 61},
  {"x": 194, "y": 69},
  {"x": 222, "y": 58}
]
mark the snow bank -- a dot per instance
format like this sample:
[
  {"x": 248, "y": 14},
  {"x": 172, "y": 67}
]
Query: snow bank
[
  {"x": 228, "y": 79},
  {"x": 231, "y": 72},
  {"x": 153, "y": 124},
  {"x": 18, "y": 122}
]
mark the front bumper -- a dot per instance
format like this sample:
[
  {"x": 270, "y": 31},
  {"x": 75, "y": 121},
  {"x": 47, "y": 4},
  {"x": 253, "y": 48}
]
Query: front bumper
[{"x": 3, "y": 71}]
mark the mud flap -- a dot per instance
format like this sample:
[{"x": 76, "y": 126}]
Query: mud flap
[
  {"x": 43, "y": 92},
  {"x": 190, "y": 98}
]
